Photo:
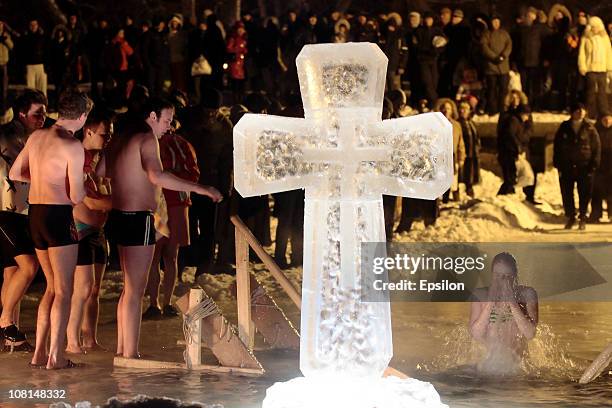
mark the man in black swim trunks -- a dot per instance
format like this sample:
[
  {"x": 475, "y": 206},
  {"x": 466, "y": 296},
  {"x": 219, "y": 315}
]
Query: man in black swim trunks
[
  {"x": 16, "y": 248},
  {"x": 134, "y": 166},
  {"x": 52, "y": 162}
]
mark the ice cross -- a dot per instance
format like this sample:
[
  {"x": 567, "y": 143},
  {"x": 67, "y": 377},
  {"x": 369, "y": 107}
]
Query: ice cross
[{"x": 345, "y": 157}]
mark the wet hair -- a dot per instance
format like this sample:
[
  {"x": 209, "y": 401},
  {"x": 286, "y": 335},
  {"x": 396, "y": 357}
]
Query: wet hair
[
  {"x": 156, "y": 105},
  {"x": 73, "y": 104},
  {"x": 24, "y": 102},
  {"x": 506, "y": 258}
]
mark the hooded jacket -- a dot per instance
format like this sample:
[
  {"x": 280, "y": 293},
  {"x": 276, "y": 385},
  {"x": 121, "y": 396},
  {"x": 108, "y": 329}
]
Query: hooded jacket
[{"x": 595, "y": 53}]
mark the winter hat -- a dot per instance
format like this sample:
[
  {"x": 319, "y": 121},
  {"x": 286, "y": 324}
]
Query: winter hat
[
  {"x": 458, "y": 13},
  {"x": 429, "y": 14}
]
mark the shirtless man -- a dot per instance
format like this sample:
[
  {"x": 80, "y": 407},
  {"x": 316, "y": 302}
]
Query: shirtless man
[
  {"x": 52, "y": 162},
  {"x": 16, "y": 247},
  {"x": 134, "y": 166},
  {"x": 504, "y": 318},
  {"x": 90, "y": 216}
]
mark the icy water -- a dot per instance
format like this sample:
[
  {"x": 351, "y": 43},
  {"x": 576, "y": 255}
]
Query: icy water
[{"x": 430, "y": 343}]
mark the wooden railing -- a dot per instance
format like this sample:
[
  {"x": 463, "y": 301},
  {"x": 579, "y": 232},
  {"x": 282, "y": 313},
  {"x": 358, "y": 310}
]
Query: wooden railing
[{"x": 244, "y": 240}]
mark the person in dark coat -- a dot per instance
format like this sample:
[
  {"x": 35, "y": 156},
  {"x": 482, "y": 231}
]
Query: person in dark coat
[
  {"x": 563, "y": 59},
  {"x": 314, "y": 31},
  {"x": 577, "y": 154},
  {"x": 412, "y": 69},
  {"x": 291, "y": 42},
  {"x": 159, "y": 58},
  {"x": 214, "y": 51},
  {"x": 396, "y": 50},
  {"x": 428, "y": 40},
  {"x": 602, "y": 188},
  {"x": 532, "y": 34},
  {"x": 60, "y": 48},
  {"x": 496, "y": 49},
  {"x": 470, "y": 174},
  {"x": 459, "y": 37},
  {"x": 289, "y": 208},
  {"x": 268, "y": 56},
  {"x": 511, "y": 130},
  {"x": 98, "y": 40},
  {"x": 210, "y": 134}
]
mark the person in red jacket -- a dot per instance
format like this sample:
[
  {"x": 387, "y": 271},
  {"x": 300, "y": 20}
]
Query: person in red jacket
[
  {"x": 119, "y": 63},
  {"x": 237, "y": 46},
  {"x": 179, "y": 158}
]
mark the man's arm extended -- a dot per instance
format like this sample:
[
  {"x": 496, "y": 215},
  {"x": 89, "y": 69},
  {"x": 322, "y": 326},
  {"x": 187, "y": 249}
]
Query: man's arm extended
[{"x": 151, "y": 163}]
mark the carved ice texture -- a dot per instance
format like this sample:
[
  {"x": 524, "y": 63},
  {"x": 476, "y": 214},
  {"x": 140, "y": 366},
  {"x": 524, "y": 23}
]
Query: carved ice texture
[{"x": 346, "y": 158}]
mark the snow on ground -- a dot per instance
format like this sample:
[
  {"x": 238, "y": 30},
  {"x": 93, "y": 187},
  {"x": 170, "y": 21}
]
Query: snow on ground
[{"x": 488, "y": 217}]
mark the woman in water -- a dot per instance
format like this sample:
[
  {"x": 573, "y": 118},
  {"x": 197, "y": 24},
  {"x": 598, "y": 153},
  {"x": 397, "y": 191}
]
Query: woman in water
[{"x": 504, "y": 317}]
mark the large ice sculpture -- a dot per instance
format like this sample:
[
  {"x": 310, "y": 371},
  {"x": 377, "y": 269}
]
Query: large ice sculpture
[{"x": 346, "y": 158}]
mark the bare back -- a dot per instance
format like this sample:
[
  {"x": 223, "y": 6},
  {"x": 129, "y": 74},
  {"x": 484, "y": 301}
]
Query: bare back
[
  {"x": 53, "y": 158},
  {"x": 132, "y": 189}
]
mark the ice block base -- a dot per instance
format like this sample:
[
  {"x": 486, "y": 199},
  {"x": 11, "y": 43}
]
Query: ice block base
[{"x": 388, "y": 392}]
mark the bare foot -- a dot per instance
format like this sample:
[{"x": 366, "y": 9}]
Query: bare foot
[
  {"x": 58, "y": 364},
  {"x": 39, "y": 360},
  {"x": 75, "y": 349},
  {"x": 94, "y": 347},
  {"x": 67, "y": 364}
]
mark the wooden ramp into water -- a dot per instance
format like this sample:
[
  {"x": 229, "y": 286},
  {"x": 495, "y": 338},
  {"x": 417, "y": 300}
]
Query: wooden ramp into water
[{"x": 205, "y": 325}]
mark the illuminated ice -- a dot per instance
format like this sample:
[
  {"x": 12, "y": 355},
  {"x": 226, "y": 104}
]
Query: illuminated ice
[{"x": 345, "y": 158}]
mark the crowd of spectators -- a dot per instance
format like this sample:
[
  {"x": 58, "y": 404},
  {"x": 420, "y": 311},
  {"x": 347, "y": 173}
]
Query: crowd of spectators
[{"x": 447, "y": 61}]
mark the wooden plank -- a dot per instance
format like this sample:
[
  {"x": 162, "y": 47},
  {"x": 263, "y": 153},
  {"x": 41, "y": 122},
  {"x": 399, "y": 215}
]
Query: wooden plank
[
  {"x": 194, "y": 348},
  {"x": 278, "y": 274},
  {"x": 269, "y": 319},
  {"x": 243, "y": 287},
  {"x": 138, "y": 363},
  {"x": 220, "y": 336},
  {"x": 598, "y": 365}
]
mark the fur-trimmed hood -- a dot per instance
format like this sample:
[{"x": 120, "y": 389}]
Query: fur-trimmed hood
[
  {"x": 553, "y": 11},
  {"x": 442, "y": 101}
]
